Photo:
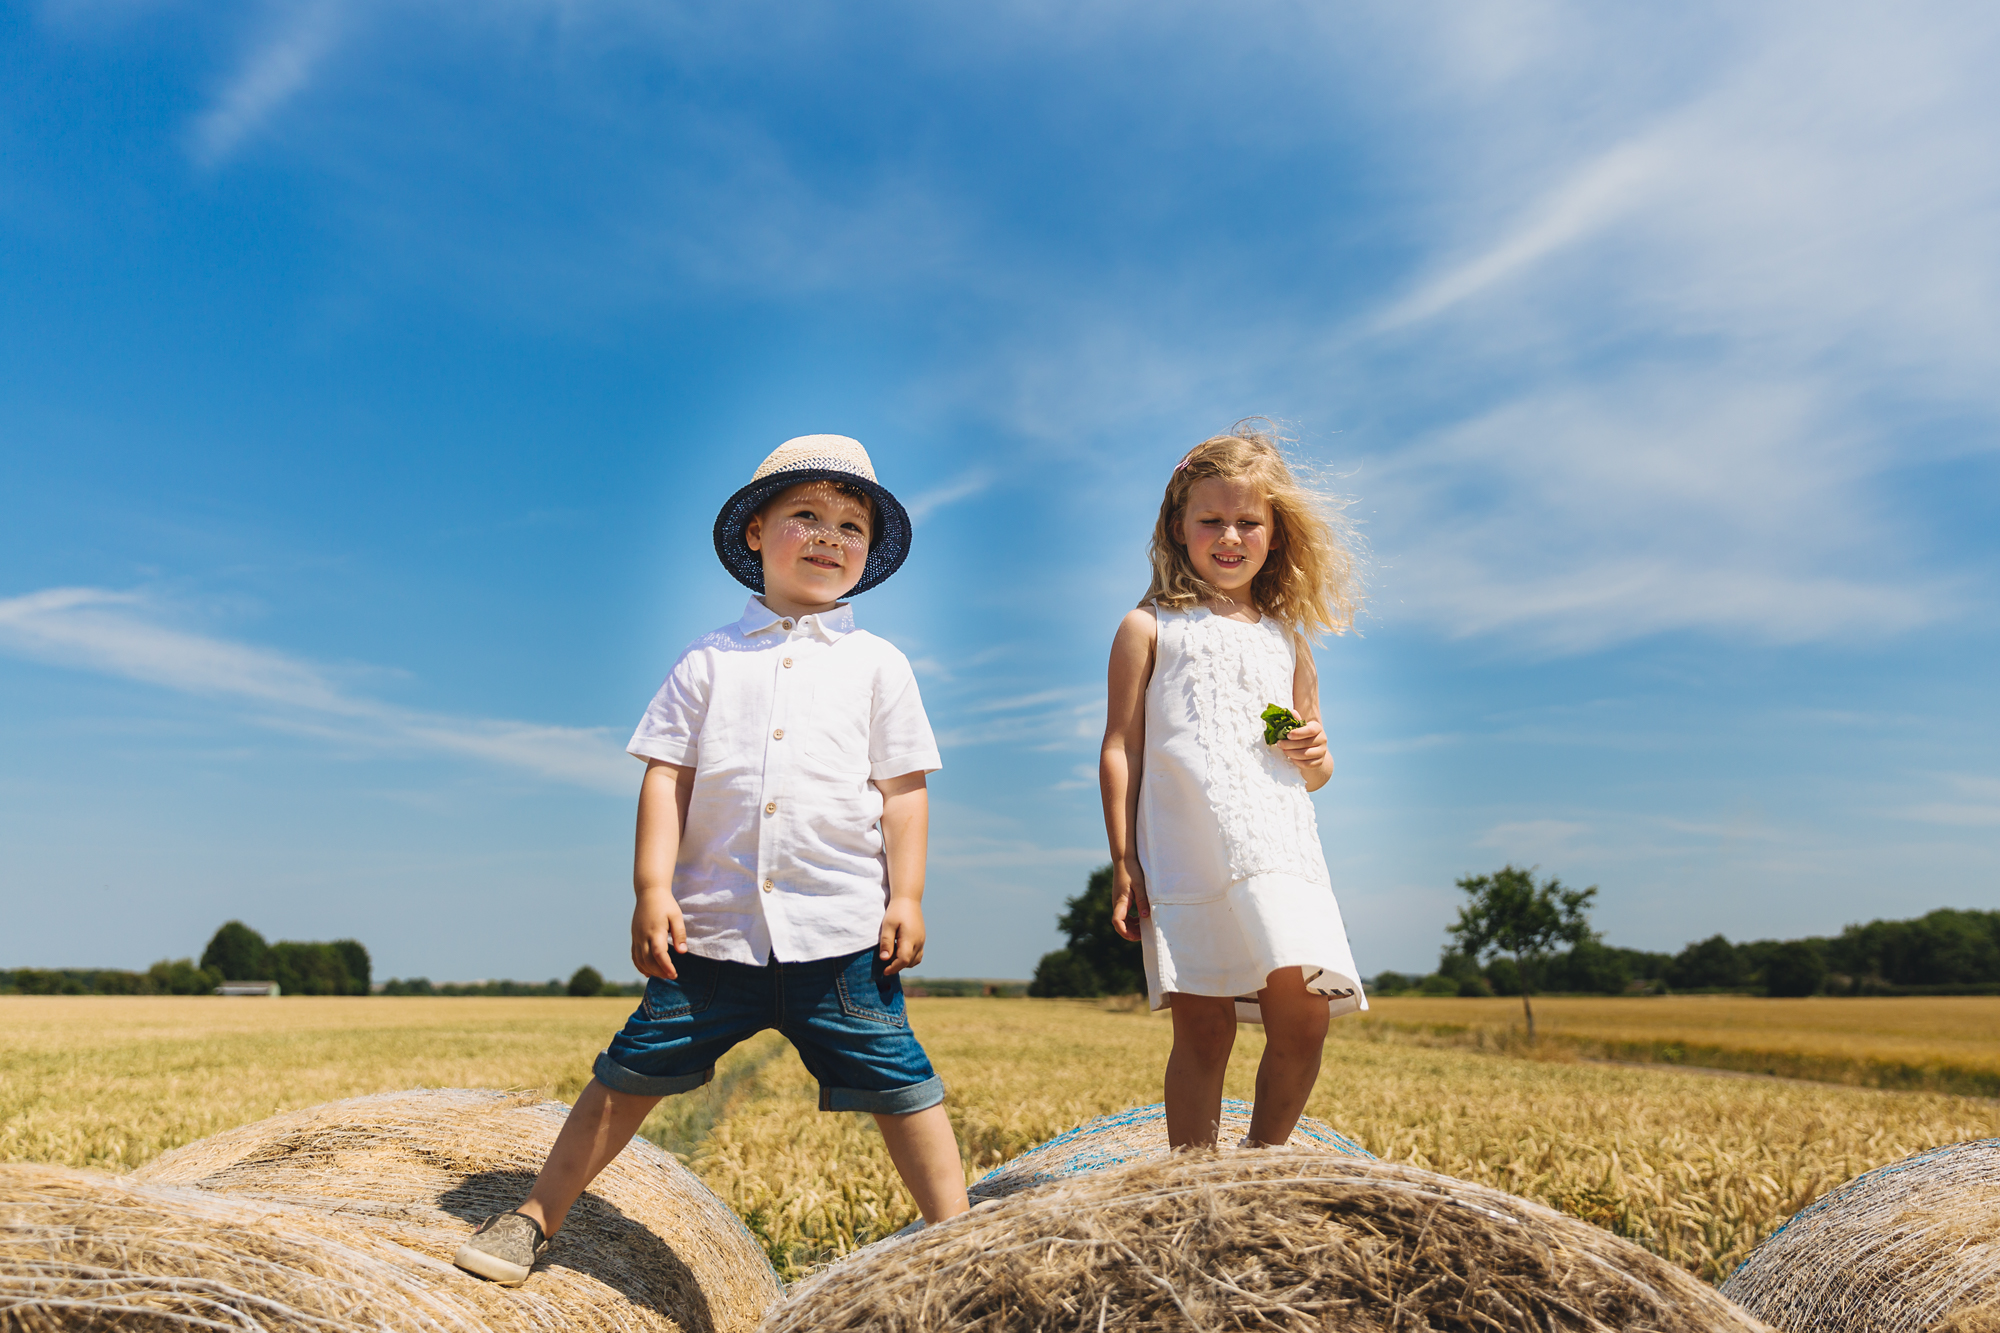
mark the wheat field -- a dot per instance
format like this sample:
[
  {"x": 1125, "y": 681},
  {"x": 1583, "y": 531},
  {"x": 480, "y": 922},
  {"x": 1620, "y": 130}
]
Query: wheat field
[
  {"x": 1693, "y": 1166},
  {"x": 1942, "y": 1043}
]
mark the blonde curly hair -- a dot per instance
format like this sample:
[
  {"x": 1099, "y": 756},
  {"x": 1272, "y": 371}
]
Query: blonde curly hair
[{"x": 1310, "y": 581}]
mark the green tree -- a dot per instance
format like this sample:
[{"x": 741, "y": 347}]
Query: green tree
[
  {"x": 238, "y": 953},
  {"x": 1510, "y": 914},
  {"x": 1795, "y": 968},
  {"x": 354, "y": 958},
  {"x": 585, "y": 981},
  {"x": 1097, "y": 961}
]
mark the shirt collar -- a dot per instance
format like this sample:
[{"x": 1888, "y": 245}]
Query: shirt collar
[{"x": 827, "y": 625}]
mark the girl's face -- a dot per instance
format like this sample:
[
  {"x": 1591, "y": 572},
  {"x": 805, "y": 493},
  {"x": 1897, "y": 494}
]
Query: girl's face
[
  {"x": 1226, "y": 527},
  {"x": 813, "y": 538}
]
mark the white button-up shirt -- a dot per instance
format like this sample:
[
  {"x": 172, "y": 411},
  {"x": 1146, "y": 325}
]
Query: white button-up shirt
[{"x": 787, "y": 725}]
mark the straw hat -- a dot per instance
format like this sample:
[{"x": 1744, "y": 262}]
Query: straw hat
[{"x": 813, "y": 458}]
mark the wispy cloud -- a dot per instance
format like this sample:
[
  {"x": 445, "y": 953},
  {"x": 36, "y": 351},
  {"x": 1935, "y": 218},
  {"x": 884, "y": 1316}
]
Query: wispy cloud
[
  {"x": 963, "y": 487},
  {"x": 1977, "y": 804},
  {"x": 276, "y": 70},
  {"x": 123, "y": 634}
]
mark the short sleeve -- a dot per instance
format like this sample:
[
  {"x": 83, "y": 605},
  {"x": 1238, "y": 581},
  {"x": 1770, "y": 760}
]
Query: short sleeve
[
  {"x": 899, "y": 733},
  {"x": 671, "y": 729}
]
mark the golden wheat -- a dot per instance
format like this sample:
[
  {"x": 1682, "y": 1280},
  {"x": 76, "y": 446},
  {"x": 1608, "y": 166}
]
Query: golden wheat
[{"x": 1695, "y": 1167}]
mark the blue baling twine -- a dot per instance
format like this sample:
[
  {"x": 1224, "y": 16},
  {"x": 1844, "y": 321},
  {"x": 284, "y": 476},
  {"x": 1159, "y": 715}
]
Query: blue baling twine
[
  {"x": 1834, "y": 1195},
  {"x": 1097, "y": 1161}
]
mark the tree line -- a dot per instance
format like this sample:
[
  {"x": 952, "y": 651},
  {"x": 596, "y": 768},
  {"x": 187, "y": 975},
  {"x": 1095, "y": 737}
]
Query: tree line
[
  {"x": 234, "y": 953},
  {"x": 237, "y": 953},
  {"x": 1946, "y": 952}
]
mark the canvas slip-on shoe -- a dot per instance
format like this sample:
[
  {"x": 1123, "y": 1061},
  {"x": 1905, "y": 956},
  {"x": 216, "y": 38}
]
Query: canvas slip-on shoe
[{"x": 503, "y": 1249}]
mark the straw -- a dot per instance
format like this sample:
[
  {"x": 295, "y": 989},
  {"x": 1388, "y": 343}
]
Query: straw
[{"x": 1911, "y": 1246}]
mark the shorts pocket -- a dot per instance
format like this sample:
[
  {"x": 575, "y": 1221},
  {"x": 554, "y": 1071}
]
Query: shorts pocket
[
  {"x": 867, "y": 993},
  {"x": 692, "y": 992}
]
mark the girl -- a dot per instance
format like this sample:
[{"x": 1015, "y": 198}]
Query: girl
[{"x": 1215, "y": 853}]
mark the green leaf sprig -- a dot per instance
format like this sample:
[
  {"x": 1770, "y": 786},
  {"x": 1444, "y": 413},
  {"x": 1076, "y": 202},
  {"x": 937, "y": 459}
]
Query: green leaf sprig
[{"x": 1278, "y": 721}]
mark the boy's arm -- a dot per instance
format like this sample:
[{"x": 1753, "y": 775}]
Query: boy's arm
[
  {"x": 1121, "y": 763},
  {"x": 906, "y": 831},
  {"x": 658, "y": 929}
]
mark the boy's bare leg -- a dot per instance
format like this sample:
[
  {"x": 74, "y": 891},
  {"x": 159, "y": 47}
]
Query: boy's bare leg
[
  {"x": 599, "y": 1126},
  {"x": 1204, "y": 1034},
  {"x": 1295, "y": 1022},
  {"x": 925, "y": 1152}
]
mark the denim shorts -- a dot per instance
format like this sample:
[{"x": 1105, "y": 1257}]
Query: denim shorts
[{"x": 843, "y": 1015}]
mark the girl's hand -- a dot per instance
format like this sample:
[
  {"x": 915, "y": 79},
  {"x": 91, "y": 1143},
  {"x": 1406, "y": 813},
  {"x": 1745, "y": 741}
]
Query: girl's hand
[
  {"x": 1128, "y": 900},
  {"x": 902, "y": 942},
  {"x": 659, "y": 931},
  {"x": 1305, "y": 746}
]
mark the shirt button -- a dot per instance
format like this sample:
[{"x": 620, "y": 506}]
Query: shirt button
[
  {"x": 788, "y": 662},
  {"x": 778, "y": 735},
  {"x": 767, "y": 886},
  {"x": 786, "y": 623},
  {"x": 770, "y": 807}
]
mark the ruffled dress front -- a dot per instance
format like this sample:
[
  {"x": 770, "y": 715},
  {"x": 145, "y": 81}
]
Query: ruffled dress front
[{"x": 1227, "y": 836}]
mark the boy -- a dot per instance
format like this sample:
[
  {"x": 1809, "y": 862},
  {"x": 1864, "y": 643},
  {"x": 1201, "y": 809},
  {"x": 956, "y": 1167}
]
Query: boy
[{"x": 779, "y": 866}]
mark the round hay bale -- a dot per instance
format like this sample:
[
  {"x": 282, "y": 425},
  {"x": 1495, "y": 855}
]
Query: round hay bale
[
  {"x": 1137, "y": 1135},
  {"x": 88, "y": 1250},
  {"x": 648, "y": 1247},
  {"x": 1911, "y": 1246},
  {"x": 1278, "y": 1239}
]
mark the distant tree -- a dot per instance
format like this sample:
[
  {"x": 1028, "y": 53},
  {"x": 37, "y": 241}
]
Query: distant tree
[
  {"x": 586, "y": 981},
  {"x": 302, "y": 967},
  {"x": 238, "y": 953},
  {"x": 1503, "y": 977},
  {"x": 181, "y": 977},
  {"x": 1710, "y": 964},
  {"x": 1099, "y": 962},
  {"x": 1509, "y": 913},
  {"x": 1795, "y": 968},
  {"x": 354, "y": 958},
  {"x": 1590, "y": 966},
  {"x": 1059, "y": 973}
]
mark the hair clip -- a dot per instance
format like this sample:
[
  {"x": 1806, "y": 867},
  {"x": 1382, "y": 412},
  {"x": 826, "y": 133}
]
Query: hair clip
[{"x": 1184, "y": 459}]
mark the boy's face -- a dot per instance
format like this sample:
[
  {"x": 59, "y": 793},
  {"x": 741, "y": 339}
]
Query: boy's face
[{"x": 813, "y": 538}]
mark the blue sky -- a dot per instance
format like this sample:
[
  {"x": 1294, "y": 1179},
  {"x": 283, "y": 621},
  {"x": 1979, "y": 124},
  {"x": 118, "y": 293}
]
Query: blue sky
[{"x": 370, "y": 375}]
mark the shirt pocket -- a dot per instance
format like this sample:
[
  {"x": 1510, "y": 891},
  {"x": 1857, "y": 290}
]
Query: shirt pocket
[{"x": 839, "y": 726}]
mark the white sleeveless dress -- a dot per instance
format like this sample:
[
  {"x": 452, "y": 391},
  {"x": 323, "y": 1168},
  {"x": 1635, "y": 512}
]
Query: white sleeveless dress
[{"x": 1227, "y": 836}]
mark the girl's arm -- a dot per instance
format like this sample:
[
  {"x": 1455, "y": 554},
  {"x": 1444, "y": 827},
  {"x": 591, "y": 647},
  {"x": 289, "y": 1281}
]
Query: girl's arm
[
  {"x": 1121, "y": 763},
  {"x": 659, "y": 931},
  {"x": 906, "y": 831},
  {"x": 1305, "y": 745}
]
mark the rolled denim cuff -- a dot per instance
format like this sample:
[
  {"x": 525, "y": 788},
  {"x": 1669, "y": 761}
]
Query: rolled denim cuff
[
  {"x": 896, "y": 1101},
  {"x": 620, "y": 1079}
]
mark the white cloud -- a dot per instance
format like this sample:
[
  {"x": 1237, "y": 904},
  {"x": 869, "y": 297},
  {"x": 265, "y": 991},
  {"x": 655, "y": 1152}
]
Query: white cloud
[
  {"x": 121, "y": 634},
  {"x": 1977, "y": 806},
  {"x": 963, "y": 487},
  {"x": 275, "y": 71}
]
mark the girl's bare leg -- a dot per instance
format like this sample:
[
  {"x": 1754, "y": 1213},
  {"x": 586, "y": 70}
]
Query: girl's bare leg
[
  {"x": 599, "y": 1126},
  {"x": 1295, "y": 1023},
  {"x": 925, "y": 1152},
  {"x": 1204, "y": 1034}
]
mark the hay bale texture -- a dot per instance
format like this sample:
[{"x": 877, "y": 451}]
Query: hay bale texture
[
  {"x": 1911, "y": 1246},
  {"x": 649, "y": 1247},
  {"x": 1279, "y": 1239},
  {"x": 1137, "y": 1135},
  {"x": 85, "y": 1250}
]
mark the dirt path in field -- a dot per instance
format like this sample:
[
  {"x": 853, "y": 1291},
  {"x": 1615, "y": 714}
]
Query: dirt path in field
[{"x": 1711, "y": 1071}]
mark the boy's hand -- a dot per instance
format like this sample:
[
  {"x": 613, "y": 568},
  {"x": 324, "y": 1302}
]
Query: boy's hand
[
  {"x": 902, "y": 943},
  {"x": 1128, "y": 900},
  {"x": 659, "y": 931},
  {"x": 1304, "y": 745}
]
